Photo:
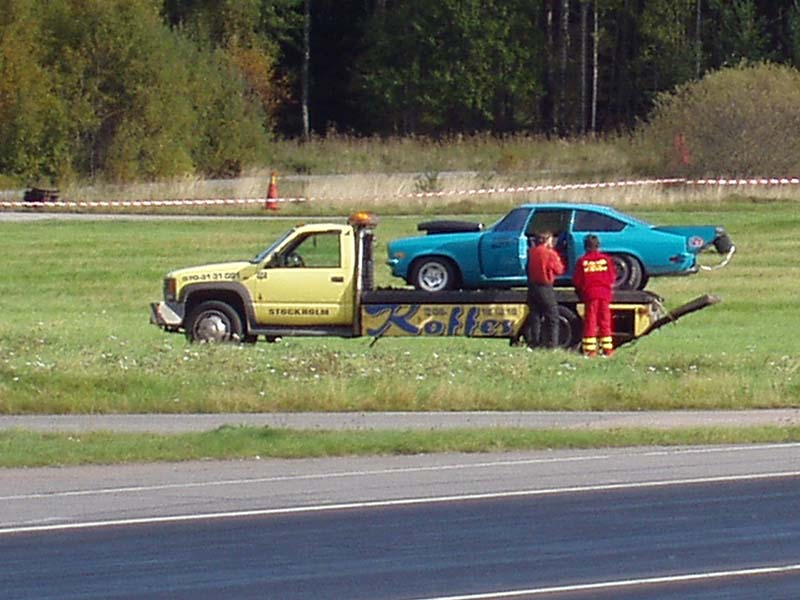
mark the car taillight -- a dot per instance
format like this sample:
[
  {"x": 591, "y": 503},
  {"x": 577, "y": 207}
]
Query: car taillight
[
  {"x": 170, "y": 289},
  {"x": 695, "y": 243}
]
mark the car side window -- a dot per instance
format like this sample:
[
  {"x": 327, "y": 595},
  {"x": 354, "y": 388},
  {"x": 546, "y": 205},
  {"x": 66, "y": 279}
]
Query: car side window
[
  {"x": 316, "y": 250},
  {"x": 592, "y": 221},
  {"x": 554, "y": 221},
  {"x": 513, "y": 221}
]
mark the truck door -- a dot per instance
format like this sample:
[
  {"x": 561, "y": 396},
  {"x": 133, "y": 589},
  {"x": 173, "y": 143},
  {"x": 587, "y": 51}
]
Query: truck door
[
  {"x": 503, "y": 247},
  {"x": 308, "y": 282}
]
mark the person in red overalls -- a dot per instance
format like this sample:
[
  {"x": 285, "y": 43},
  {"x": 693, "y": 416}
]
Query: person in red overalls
[
  {"x": 594, "y": 281},
  {"x": 544, "y": 265}
]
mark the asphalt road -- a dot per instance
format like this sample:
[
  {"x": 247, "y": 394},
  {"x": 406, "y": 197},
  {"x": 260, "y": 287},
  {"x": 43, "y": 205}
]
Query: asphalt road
[{"x": 718, "y": 522}]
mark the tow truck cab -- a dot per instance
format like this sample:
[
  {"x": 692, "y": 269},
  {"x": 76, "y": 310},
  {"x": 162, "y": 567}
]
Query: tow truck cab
[{"x": 306, "y": 283}]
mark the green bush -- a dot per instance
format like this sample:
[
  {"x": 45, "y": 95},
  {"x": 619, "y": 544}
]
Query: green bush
[
  {"x": 738, "y": 122},
  {"x": 104, "y": 89}
]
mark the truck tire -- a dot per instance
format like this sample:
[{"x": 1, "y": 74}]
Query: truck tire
[
  {"x": 630, "y": 273},
  {"x": 434, "y": 274},
  {"x": 570, "y": 328},
  {"x": 213, "y": 321}
]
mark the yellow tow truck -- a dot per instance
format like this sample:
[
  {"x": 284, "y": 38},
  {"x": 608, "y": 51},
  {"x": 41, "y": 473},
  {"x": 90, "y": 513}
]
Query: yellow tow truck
[{"x": 318, "y": 279}]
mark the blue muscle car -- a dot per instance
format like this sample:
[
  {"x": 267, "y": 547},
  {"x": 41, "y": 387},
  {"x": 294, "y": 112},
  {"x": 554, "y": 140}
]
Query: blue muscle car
[{"x": 456, "y": 254}]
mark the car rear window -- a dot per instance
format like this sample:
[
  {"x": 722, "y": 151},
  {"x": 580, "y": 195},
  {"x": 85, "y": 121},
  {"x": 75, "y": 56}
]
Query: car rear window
[{"x": 592, "y": 221}]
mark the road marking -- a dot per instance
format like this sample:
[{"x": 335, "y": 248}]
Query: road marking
[
  {"x": 393, "y": 471},
  {"x": 265, "y": 512},
  {"x": 624, "y": 583}
]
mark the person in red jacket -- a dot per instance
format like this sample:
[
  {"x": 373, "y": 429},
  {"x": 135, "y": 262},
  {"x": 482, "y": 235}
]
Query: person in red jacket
[
  {"x": 544, "y": 265},
  {"x": 594, "y": 281}
]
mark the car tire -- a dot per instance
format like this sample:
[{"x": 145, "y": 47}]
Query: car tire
[
  {"x": 723, "y": 244},
  {"x": 434, "y": 275},
  {"x": 630, "y": 273},
  {"x": 213, "y": 321}
]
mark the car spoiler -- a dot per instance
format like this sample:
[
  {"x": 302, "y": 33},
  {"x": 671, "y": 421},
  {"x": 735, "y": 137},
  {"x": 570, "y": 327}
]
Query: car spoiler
[{"x": 433, "y": 227}]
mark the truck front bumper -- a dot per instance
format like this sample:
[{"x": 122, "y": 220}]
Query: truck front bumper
[{"x": 167, "y": 315}]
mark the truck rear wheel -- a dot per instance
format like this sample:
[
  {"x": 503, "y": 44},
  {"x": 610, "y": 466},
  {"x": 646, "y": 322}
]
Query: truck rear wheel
[
  {"x": 213, "y": 321},
  {"x": 570, "y": 329}
]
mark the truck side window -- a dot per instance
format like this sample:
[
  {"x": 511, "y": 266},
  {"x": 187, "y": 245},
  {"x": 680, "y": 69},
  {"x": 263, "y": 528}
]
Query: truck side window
[{"x": 316, "y": 250}]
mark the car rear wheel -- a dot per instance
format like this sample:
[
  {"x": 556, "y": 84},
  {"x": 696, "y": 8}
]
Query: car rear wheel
[
  {"x": 630, "y": 273},
  {"x": 214, "y": 322},
  {"x": 434, "y": 275}
]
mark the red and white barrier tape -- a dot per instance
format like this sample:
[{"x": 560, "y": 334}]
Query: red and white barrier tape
[
  {"x": 556, "y": 187},
  {"x": 611, "y": 185},
  {"x": 145, "y": 203},
  {"x": 559, "y": 187}
]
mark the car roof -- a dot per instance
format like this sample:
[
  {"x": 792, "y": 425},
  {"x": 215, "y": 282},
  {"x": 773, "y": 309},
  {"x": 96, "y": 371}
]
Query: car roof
[
  {"x": 569, "y": 205},
  {"x": 600, "y": 208}
]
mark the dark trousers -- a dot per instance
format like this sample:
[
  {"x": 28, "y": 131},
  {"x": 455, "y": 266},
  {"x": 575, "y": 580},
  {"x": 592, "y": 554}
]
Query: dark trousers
[{"x": 543, "y": 308}]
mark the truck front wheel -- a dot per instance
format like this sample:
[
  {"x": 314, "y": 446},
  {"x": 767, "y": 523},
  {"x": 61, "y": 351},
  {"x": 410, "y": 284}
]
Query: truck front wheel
[{"x": 213, "y": 322}]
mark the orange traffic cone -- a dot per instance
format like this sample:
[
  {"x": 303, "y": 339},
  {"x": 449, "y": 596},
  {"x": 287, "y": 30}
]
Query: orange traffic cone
[{"x": 272, "y": 193}]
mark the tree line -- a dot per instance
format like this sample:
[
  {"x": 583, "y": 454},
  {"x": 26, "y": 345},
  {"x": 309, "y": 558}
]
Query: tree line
[{"x": 128, "y": 89}]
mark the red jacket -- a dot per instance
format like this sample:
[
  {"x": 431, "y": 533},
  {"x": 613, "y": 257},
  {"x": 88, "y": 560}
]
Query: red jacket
[
  {"x": 594, "y": 276},
  {"x": 544, "y": 265}
]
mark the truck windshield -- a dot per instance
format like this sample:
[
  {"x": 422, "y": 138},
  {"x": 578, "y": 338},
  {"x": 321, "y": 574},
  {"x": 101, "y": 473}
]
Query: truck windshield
[{"x": 262, "y": 255}]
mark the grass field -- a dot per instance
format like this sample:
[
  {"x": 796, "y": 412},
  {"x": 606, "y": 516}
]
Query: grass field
[
  {"x": 34, "y": 449},
  {"x": 75, "y": 338}
]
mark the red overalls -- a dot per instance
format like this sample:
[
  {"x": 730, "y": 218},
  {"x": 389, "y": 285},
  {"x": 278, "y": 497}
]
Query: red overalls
[{"x": 594, "y": 280}]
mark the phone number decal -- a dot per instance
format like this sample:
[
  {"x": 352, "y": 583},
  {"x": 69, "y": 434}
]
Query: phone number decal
[{"x": 210, "y": 277}]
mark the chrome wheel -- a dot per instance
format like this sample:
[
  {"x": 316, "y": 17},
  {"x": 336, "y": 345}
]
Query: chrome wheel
[
  {"x": 433, "y": 275},
  {"x": 214, "y": 322}
]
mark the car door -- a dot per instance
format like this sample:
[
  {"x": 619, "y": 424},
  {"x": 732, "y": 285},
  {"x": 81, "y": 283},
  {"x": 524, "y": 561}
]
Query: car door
[
  {"x": 503, "y": 248},
  {"x": 308, "y": 282},
  {"x": 557, "y": 221}
]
